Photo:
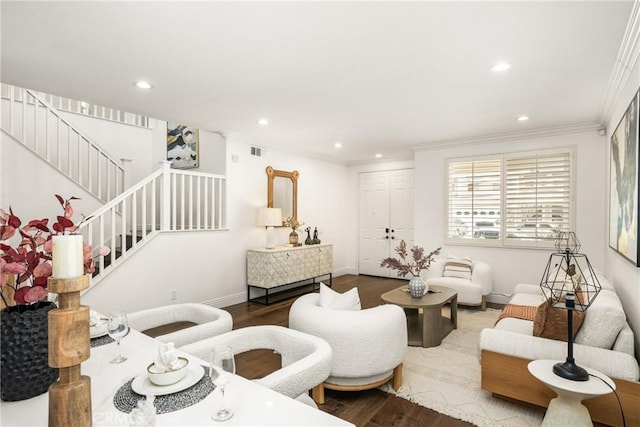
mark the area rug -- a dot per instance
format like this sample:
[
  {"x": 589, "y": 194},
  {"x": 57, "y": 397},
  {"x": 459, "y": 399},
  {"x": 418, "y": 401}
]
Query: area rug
[{"x": 446, "y": 378}]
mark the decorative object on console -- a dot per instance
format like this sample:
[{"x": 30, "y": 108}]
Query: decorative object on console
[
  {"x": 569, "y": 282},
  {"x": 308, "y": 241},
  {"x": 270, "y": 217},
  {"x": 420, "y": 262},
  {"x": 295, "y": 225},
  {"x": 624, "y": 236},
  {"x": 315, "y": 240}
]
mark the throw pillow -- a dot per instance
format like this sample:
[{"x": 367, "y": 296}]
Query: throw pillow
[
  {"x": 551, "y": 322},
  {"x": 460, "y": 268},
  {"x": 329, "y": 298}
]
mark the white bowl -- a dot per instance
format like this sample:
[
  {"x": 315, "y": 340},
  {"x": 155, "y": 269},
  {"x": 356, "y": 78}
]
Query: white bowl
[{"x": 168, "y": 377}]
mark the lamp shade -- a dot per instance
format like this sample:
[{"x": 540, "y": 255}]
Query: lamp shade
[
  {"x": 567, "y": 241},
  {"x": 570, "y": 272},
  {"x": 270, "y": 217}
]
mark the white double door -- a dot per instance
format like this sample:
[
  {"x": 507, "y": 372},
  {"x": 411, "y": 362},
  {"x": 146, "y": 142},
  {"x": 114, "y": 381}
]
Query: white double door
[{"x": 385, "y": 217}]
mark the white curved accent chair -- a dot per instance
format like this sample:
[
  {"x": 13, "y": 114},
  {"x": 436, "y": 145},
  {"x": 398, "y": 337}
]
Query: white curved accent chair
[
  {"x": 306, "y": 359},
  {"x": 210, "y": 321},
  {"x": 368, "y": 345},
  {"x": 470, "y": 292}
]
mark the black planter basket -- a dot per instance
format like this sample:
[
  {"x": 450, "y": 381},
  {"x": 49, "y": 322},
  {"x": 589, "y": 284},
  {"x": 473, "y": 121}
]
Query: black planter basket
[{"x": 24, "y": 368}]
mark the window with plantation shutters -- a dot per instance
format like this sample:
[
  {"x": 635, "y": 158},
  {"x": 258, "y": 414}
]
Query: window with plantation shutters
[
  {"x": 516, "y": 199},
  {"x": 474, "y": 198},
  {"x": 538, "y": 195}
]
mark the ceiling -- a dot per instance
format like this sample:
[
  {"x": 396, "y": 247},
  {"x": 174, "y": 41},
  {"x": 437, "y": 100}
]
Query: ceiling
[{"x": 379, "y": 77}]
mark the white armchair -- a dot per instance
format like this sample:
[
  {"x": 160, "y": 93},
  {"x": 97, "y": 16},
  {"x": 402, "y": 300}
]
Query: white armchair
[
  {"x": 470, "y": 292},
  {"x": 306, "y": 359},
  {"x": 368, "y": 345},
  {"x": 209, "y": 321}
]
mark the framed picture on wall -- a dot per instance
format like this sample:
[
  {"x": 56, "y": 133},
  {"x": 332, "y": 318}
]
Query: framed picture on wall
[
  {"x": 182, "y": 146},
  {"x": 623, "y": 191}
]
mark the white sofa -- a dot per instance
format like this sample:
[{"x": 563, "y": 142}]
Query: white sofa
[
  {"x": 470, "y": 292},
  {"x": 605, "y": 342}
]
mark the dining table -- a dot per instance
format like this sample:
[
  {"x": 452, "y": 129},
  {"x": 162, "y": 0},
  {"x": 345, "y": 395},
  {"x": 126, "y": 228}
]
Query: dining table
[{"x": 112, "y": 396}]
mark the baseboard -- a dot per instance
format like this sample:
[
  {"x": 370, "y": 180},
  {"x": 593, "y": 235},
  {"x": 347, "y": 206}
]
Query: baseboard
[
  {"x": 227, "y": 300},
  {"x": 345, "y": 271}
]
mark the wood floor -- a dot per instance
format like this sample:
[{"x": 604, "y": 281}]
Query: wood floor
[{"x": 371, "y": 408}]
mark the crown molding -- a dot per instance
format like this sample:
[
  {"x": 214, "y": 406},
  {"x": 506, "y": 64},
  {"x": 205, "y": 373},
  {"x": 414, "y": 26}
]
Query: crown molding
[
  {"x": 626, "y": 60},
  {"x": 510, "y": 136}
]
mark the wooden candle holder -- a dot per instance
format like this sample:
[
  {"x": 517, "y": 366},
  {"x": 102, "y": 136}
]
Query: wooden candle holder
[{"x": 69, "y": 346}]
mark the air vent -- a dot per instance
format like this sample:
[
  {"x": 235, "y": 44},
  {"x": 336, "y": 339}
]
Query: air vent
[{"x": 258, "y": 151}]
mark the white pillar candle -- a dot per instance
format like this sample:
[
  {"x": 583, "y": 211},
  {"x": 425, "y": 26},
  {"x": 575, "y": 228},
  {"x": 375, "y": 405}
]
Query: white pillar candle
[{"x": 67, "y": 256}]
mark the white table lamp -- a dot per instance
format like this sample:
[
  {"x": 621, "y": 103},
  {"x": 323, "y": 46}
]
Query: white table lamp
[{"x": 270, "y": 217}]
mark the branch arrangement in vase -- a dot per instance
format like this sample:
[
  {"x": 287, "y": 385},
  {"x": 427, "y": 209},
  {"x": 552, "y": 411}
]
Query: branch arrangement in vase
[
  {"x": 418, "y": 262},
  {"x": 30, "y": 257}
]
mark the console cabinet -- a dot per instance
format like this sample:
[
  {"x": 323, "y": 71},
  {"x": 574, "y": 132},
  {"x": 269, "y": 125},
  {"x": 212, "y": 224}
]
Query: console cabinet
[{"x": 269, "y": 269}]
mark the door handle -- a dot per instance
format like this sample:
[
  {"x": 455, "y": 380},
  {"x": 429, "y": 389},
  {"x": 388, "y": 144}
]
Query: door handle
[
  {"x": 393, "y": 237},
  {"x": 393, "y": 231},
  {"x": 386, "y": 237},
  {"x": 386, "y": 230}
]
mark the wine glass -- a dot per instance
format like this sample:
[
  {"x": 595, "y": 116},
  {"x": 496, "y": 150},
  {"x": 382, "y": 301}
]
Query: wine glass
[
  {"x": 117, "y": 328},
  {"x": 222, "y": 369}
]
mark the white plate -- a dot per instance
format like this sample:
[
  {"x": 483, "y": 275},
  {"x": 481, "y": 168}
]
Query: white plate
[
  {"x": 143, "y": 385},
  {"x": 99, "y": 330}
]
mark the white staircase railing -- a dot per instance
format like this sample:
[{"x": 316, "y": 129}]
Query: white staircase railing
[
  {"x": 167, "y": 200},
  {"x": 61, "y": 103},
  {"x": 31, "y": 120}
]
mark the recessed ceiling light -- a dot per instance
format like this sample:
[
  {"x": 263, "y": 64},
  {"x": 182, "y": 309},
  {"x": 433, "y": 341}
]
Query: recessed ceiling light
[
  {"x": 143, "y": 85},
  {"x": 523, "y": 118},
  {"x": 263, "y": 122},
  {"x": 378, "y": 156},
  {"x": 338, "y": 145},
  {"x": 500, "y": 67}
]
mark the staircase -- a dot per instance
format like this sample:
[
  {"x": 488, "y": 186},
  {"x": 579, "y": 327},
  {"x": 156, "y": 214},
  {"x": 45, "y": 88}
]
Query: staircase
[
  {"x": 167, "y": 200},
  {"x": 34, "y": 123}
]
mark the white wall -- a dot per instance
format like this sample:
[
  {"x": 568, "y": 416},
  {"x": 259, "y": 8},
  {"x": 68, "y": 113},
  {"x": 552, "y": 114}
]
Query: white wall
[
  {"x": 624, "y": 275},
  {"x": 512, "y": 266}
]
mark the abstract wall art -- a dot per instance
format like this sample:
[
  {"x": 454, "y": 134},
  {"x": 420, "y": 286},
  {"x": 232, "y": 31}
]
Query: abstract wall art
[
  {"x": 623, "y": 191},
  {"x": 182, "y": 146}
]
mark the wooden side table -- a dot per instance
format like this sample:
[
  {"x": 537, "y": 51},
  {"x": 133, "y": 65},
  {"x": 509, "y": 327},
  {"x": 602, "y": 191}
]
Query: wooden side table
[
  {"x": 567, "y": 409},
  {"x": 425, "y": 324}
]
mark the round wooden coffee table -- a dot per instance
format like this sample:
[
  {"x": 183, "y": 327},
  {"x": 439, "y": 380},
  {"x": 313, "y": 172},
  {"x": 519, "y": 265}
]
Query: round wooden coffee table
[{"x": 426, "y": 325}]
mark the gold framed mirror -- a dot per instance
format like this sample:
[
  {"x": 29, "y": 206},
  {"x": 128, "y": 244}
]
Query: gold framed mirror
[{"x": 282, "y": 191}]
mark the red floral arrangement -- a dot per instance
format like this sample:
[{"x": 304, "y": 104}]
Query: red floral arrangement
[
  {"x": 30, "y": 260},
  {"x": 420, "y": 261}
]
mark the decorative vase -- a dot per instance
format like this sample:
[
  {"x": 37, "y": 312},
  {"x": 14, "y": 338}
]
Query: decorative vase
[
  {"x": 24, "y": 351},
  {"x": 417, "y": 287},
  {"x": 293, "y": 238}
]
